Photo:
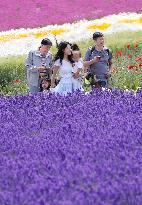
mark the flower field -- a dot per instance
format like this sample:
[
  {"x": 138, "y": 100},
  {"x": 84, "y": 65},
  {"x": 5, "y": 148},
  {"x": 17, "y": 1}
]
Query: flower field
[
  {"x": 78, "y": 150},
  {"x": 20, "y": 41},
  {"x": 85, "y": 148},
  {"x": 30, "y": 14}
]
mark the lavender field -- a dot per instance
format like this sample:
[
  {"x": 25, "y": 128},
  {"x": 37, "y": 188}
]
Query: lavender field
[
  {"x": 73, "y": 150},
  {"x": 79, "y": 149}
]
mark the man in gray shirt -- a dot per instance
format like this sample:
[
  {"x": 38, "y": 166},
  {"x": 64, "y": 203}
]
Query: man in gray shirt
[
  {"x": 39, "y": 62},
  {"x": 99, "y": 60}
]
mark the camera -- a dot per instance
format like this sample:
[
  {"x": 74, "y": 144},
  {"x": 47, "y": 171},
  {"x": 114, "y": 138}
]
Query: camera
[{"x": 89, "y": 75}]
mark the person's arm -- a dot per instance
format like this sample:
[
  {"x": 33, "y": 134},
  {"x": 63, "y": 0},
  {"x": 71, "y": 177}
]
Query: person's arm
[
  {"x": 77, "y": 74},
  {"x": 49, "y": 68},
  {"x": 110, "y": 65},
  {"x": 79, "y": 66},
  {"x": 29, "y": 63},
  {"x": 55, "y": 72},
  {"x": 87, "y": 61},
  {"x": 90, "y": 62}
]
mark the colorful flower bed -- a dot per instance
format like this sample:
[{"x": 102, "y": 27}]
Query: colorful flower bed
[
  {"x": 30, "y": 14},
  {"x": 18, "y": 42},
  {"x": 74, "y": 150}
]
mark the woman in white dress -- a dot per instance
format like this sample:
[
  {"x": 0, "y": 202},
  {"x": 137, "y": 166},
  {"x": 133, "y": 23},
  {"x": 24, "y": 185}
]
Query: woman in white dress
[{"x": 63, "y": 67}]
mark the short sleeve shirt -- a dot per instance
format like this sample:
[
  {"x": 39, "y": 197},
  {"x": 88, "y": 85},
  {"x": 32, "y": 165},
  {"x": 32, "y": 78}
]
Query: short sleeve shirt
[
  {"x": 77, "y": 66},
  {"x": 100, "y": 68}
]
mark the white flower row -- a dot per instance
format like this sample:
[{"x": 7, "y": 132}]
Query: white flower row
[{"x": 74, "y": 32}]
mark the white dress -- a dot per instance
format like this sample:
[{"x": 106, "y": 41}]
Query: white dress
[
  {"x": 68, "y": 83},
  {"x": 66, "y": 78}
]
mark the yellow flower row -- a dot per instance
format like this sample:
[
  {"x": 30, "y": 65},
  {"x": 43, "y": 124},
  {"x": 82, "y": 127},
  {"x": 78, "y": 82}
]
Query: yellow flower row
[
  {"x": 102, "y": 26},
  {"x": 37, "y": 34},
  {"x": 42, "y": 32},
  {"x": 136, "y": 20}
]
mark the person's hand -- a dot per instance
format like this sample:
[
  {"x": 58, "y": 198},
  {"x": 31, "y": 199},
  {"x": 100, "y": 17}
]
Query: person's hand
[
  {"x": 42, "y": 74},
  {"x": 108, "y": 75},
  {"x": 52, "y": 86},
  {"x": 76, "y": 75},
  {"x": 97, "y": 59},
  {"x": 42, "y": 69}
]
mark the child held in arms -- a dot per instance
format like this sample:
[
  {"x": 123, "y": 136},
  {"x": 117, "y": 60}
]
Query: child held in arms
[{"x": 77, "y": 68}]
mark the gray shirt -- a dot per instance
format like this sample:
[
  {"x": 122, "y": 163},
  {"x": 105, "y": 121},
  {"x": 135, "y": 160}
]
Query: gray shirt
[
  {"x": 35, "y": 60},
  {"x": 100, "y": 68}
]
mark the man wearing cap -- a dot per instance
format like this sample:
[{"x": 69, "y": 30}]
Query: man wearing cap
[
  {"x": 99, "y": 60},
  {"x": 38, "y": 64}
]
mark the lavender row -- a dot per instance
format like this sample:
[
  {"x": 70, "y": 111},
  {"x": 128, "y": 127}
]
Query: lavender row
[{"x": 73, "y": 150}]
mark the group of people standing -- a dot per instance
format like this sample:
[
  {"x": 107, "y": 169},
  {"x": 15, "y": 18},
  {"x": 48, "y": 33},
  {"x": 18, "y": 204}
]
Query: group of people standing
[{"x": 66, "y": 72}]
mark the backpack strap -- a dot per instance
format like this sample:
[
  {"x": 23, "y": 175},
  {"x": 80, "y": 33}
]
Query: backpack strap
[
  {"x": 91, "y": 49},
  {"x": 32, "y": 57},
  {"x": 107, "y": 49}
]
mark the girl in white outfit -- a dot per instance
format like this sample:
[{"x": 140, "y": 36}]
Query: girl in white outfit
[{"x": 77, "y": 70}]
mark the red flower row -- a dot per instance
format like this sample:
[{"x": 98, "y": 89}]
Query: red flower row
[{"x": 134, "y": 66}]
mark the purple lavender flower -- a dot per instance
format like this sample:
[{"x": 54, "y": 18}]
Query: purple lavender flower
[{"x": 73, "y": 150}]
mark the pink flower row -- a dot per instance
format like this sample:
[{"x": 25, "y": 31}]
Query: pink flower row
[{"x": 37, "y": 13}]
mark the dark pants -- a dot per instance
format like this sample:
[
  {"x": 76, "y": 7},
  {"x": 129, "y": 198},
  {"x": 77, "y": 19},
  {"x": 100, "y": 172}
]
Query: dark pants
[{"x": 97, "y": 81}]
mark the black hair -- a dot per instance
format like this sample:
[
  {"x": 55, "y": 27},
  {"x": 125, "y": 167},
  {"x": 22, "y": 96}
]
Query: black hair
[
  {"x": 42, "y": 81},
  {"x": 46, "y": 79},
  {"x": 46, "y": 41},
  {"x": 75, "y": 47},
  {"x": 60, "y": 52},
  {"x": 97, "y": 35}
]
